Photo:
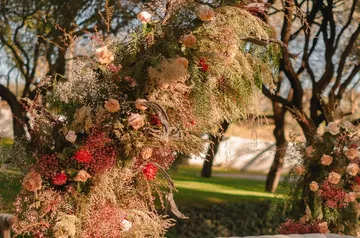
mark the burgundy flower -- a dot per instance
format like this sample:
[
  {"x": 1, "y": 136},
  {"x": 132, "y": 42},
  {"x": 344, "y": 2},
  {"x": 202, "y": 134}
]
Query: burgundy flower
[
  {"x": 83, "y": 156},
  {"x": 203, "y": 65},
  {"x": 155, "y": 120},
  {"x": 59, "y": 179},
  {"x": 150, "y": 171}
]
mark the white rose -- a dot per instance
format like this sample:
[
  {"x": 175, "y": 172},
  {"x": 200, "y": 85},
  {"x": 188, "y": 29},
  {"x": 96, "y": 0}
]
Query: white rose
[
  {"x": 71, "y": 136},
  {"x": 333, "y": 128},
  {"x": 103, "y": 55},
  {"x": 126, "y": 225},
  {"x": 144, "y": 16}
]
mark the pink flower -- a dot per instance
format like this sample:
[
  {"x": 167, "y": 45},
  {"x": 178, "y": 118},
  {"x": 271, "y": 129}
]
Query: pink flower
[
  {"x": 103, "y": 55},
  {"x": 314, "y": 186},
  {"x": 150, "y": 171},
  {"x": 82, "y": 176},
  {"x": 350, "y": 197},
  {"x": 112, "y": 105},
  {"x": 139, "y": 104},
  {"x": 59, "y": 179},
  {"x": 333, "y": 128},
  {"x": 299, "y": 169},
  {"x": 32, "y": 182},
  {"x": 323, "y": 227},
  {"x": 351, "y": 153},
  {"x": 136, "y": 121},
  {"x": 189, "y": 40},
  {"x": 146, "y": 153},
  {"x": 71, "y": 136},
  {"x": 83, "y": 156},
  {"x": 205, "y": 13},
  {"x": 334, "y": 178},
  {"x": 352, "y": 169},
  {"x": 183, "y": 62},
  {"x": 326, "y": 160},
  {"x": 144, "y": 16},
  {"x": 309, "y": 151}
]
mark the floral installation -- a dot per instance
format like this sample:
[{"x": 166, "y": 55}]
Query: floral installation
[
  {"x": 325, "y": 193},
  {"x": 100, "y": 148}
]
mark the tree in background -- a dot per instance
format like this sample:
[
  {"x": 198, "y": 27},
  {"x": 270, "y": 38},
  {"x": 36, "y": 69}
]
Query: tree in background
[
  {"x": 329, "y": 59},
  {"x": 35, "y": 37}
]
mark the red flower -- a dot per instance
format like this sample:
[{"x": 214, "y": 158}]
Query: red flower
[
  {"x": 203, "y": 65},
  {"x": 155, "y": 120},
  {"x": 59, "y": 179},
  {"x": 357, "y": 179},
  {"x": 83, "y": 156},
  {"x": 150, "y": 171}
]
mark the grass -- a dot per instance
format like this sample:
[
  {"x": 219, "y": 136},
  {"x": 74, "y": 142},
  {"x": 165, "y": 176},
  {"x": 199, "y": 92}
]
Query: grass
[{"x": 195, "y": 189}]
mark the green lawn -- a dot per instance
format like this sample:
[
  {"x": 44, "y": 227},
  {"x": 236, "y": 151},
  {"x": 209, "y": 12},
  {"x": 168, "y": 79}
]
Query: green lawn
[{"x": 195, "y": 189}]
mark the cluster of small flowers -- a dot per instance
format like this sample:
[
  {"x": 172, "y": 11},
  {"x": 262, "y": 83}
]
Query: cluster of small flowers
[{"x": 297, "y": 227}]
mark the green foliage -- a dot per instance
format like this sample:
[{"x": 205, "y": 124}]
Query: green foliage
[{"x": 227, "y": 219}]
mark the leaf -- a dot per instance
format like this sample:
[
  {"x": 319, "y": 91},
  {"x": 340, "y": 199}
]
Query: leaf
[
  {"x": 173, "y": 207},
  {"x": 318, "y": 213}
]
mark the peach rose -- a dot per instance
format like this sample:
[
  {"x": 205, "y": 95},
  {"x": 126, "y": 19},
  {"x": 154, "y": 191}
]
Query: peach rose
[
  {"x": 71, "y": 136},
  {"x": 144, "y": 16},
  {"x": 309, "y": 151},
  {"x": 32, "y": 182},
  {"x": 139, "y": 105},
  {"x": 136, "y": 121},
  {"x": 103, "y": 55},
  {"x": 205, "y": 13},
  {"x": 183, "y": 61},
  {"x": 112, "y": 105},
  {"x": 189, "y": 40},
  {"x": 314, "y": 186},
  {"x": 326, "y": 160},
  {"x": 350, "y": 197},
  {"x": 351, "y": 153},
  {"x": 304, "y": 219},
  {"x": 299, "y": 169},
  {"x": 146, "y": 153},
  {"x": 82, "y": 176},
  {"x": 352, "y": 169},
  {"x": 323, "y": 227},
  {"x": 126, "y": 225},
  {"x": 333, "y": 128},
  {"x": 334, "y": 178}
]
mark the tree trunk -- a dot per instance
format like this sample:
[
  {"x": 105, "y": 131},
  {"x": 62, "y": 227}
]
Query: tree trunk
[
  {"x": 212, "y": 150},
  {"x": 19, "y": 118},
  {"x": 274, "y": 174}
]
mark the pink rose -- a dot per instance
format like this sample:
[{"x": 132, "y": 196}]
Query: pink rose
[
  {"x": 139, "y": 104},
  {"x": 333, "y": 128},
  {"x": 144, "y": 16},
  {"x": 314, "y": 186},
  {"x": 326, "y": 160},
  {"x": 205, "y": 13},
  {"x": 103, "y": 55},
  {"x": 309, "y": 151},
  {"x": 146, "y": 153},
  {"x": 350, "y": 197},
  {"x": 299, "y": 169},
  {"x": 183, "y": 62},
  {"x": 334, "y": 178},
  {"x": 323, "y": 227},
  {"x": 189, "y": 40},
  {"x": 71, "y": 136},
  {"x": 352, "y": 169},
  {"x": 82, "y": 176},
  {"x": 136, "y": 121},
  {"x": 32, "y": 182},
  {"x": 351, "y": 153},
  {"x": 112, "y": 105}
]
